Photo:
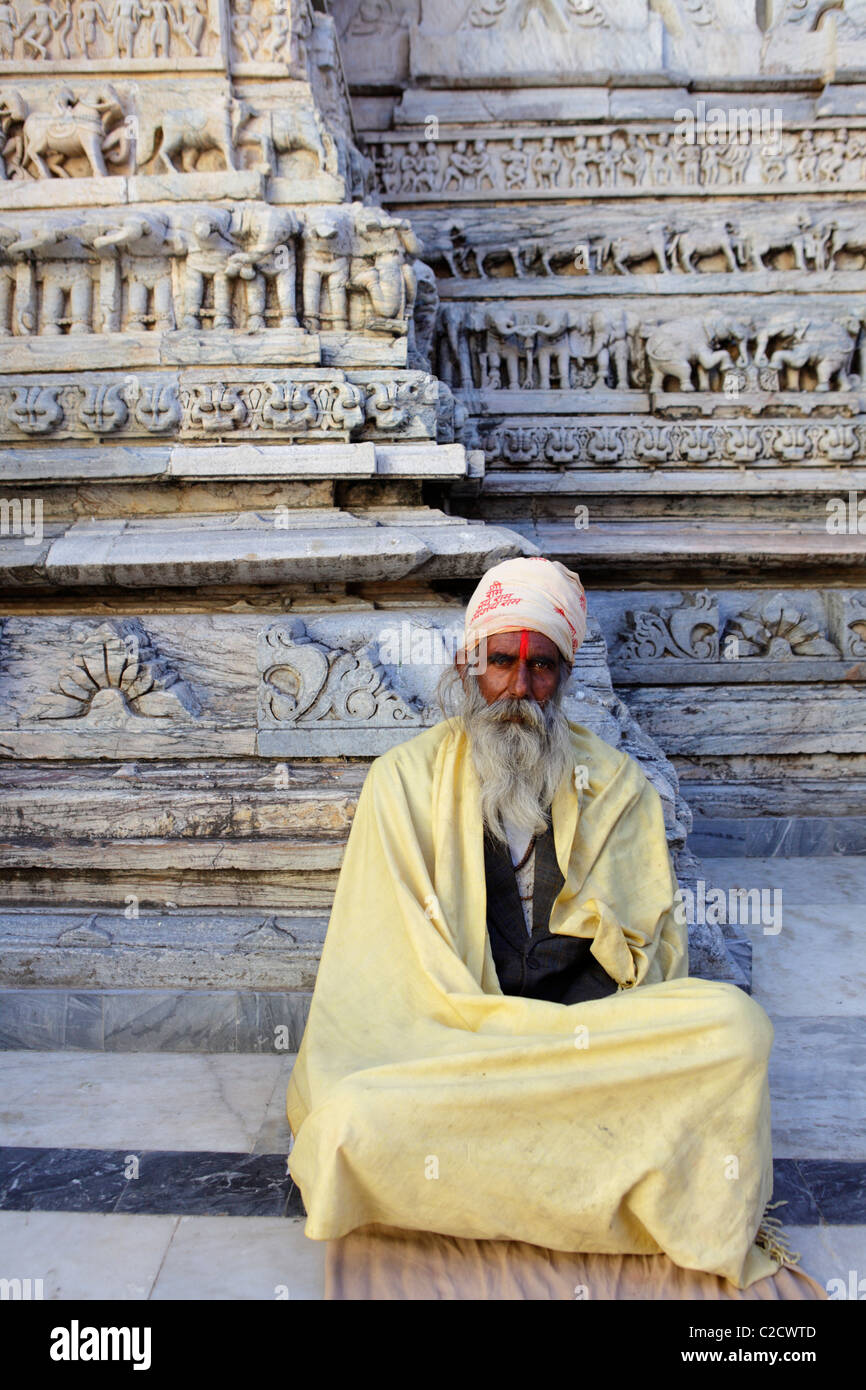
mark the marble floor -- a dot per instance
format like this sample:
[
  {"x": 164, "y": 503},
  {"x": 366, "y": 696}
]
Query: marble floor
[{"x": 162, "y": 1175}]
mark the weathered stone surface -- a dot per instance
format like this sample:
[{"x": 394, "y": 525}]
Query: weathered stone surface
[{"x": 235, "y": 423}]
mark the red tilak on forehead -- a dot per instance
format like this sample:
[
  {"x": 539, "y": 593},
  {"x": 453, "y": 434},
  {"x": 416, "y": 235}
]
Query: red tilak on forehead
[{"x": 524, "y": 644}]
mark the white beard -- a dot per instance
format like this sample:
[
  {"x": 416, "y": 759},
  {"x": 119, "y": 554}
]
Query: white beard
[{"x": 520, "y": 763}]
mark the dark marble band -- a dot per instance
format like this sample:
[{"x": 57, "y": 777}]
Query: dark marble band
[
  {"x": 191, "y": 1183},
  {"x": 184, "y": 1183}
]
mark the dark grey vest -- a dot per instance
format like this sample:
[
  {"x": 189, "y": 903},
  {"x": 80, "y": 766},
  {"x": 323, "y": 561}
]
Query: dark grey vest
[{"x": 542, "y": 966}]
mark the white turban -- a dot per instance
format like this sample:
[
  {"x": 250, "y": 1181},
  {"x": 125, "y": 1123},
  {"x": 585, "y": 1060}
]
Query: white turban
[{"x": 537, "y": 594}]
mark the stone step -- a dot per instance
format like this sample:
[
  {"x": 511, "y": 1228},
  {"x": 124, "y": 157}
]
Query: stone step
[
  {"x": 795, "y": 837},
  {"x": 818, "y": 475},
  {"x": 256, "y": 548},
  {"x": 736, "y": 545},
  {"x": 157, "y": 1020},
  {"x": 128, "y": 948},
  {"x": 237, "y": 462}
]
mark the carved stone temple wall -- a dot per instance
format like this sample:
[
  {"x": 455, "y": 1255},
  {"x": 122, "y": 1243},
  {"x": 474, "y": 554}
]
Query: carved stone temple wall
[
  {"x": 648, "y": 228},
  {"x": 282, "y": 373}
]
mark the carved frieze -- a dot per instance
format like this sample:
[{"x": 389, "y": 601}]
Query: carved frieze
[
  {"x": 775, "y": 632},
  {"x": 304, "y": 404},
  {"x": 525, "y": 37},
  {"x": 117, "y": 128},
  {"x": 146, "y": 33},
  {"x": 689, "y": 630},
  {"x": 209, "y": 268},
  {"x": 847, "y": 614},
  {"x": 575, "y": 247},
  {"x": 305, "y": 684},
  {"x": 620, "y": 160},
  {"x": 556, "y": 345},
  {"x": 726, "y": 637},
  {"x": 630, "y": 442},
  {"x": 115, "y": 677}
]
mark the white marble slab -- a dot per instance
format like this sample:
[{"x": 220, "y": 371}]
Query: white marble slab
[
  {"x": 815, "y": 966},
  {"x": 818, "y": 1088},
  {"x": 830, "y": 1252},
  {"x": 81, "y": 1100},
  {"x": 85, "y": 1255},
  {"x": 242, "y": 1258}
]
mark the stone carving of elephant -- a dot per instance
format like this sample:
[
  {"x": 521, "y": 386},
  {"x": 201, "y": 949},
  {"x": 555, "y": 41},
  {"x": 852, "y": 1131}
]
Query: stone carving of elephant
[{"x": 675, "y": 348}]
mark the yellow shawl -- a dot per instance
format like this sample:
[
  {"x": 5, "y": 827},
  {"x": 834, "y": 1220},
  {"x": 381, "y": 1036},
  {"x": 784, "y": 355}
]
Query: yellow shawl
[{"x": 425, "y": 1098}]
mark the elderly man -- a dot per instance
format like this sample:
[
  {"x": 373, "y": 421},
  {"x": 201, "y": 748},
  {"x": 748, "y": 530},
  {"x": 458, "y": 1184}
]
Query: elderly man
[{"x": 503, "y": 1043}]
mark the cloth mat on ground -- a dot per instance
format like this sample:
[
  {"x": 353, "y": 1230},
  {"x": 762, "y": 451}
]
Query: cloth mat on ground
[{"x": 387, "y": 1264}]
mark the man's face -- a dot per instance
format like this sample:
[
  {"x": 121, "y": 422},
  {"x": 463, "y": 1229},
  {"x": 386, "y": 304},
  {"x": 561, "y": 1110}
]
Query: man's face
[{"x": 520, "y": 666}]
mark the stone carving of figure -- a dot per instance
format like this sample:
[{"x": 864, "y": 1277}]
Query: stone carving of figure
[
  {"x": 38, "y": 29},
  {"x": 481, "y": 166},
  {"x": 607, "y": 160},
  {"x": 582, "y": 161},
  {"x": 774, "y": 159},
  {"x": 11, "y": 138},
  {"x": 246, "y": 39},
  {"x": 126, "y": 17},
  {"x": 389, "y": 168},
  {"x": 410, "y": 167},
  {"x": 8, "y": 31},
  {"x": 515, "y": 162},
  {"x": 634, "y": 162},
  {"x": 688, "y": 158},
  {"x": 269, "y": 235},
  {"x": 709, "y": 165},
  {"x": 660, "y": 159},
  {"x": 191, "y": 23},
  {"x": 302, "y": 30},
  {"x": 856, "y": 154},
  {"x": 207, "y": 262},
  {"x": 733, "y": 158},
  {"x": 423, "y": 322},
  {"x": 546, "y": 164},
  {"x": 163, "y": 20},
  {"x": 278, "y": 27},
  {"x": 327, "y": 249},
  {"x": 582, "y": 344},
  {"x": 807, "y": 159},
  {"x": 90, "y": 19},
  {"x": 831, "y": 152},
  {"x": 460, "y": 168},
  {"x": 427, "y": 176}
]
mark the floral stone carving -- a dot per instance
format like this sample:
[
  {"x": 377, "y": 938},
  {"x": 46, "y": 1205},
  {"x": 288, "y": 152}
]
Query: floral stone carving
[
  {"x": 306, "y": 682},
  {"x": 116, "y": 676}
]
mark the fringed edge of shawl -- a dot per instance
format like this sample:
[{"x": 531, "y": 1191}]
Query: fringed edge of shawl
[{"x": 771, "y": 1240}]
